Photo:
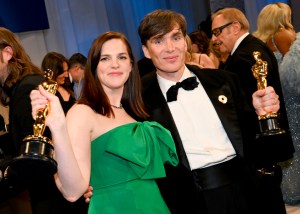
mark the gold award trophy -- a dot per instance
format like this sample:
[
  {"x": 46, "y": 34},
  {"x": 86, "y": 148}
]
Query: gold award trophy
[
  {"x": 36, "y": 151},
  {"x": 268, "y": 123}
]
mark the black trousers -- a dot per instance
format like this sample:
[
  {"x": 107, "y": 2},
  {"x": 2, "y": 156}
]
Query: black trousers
[
  {"x": 235, "y": 188},
  {"x": 233, "y": 198},
  {"x": 226, "y": 188},
  {"x": 268, "y": 192}
]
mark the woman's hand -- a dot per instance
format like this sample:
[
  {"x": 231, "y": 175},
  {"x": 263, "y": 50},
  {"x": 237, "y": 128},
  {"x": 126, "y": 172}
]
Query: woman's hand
[
  {"x": 42, "y": 100},
  {"x": 88, "y": 194}
]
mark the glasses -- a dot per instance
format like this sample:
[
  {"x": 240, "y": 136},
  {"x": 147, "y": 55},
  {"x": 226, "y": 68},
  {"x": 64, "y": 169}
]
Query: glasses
[{"x": 217, "y": 31}]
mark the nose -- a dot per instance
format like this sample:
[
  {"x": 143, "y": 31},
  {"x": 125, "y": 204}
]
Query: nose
[
  {"x": 115, "y": 62},
  {"x": 213, "y": 38},
  {"x": 169, "y": 45}
]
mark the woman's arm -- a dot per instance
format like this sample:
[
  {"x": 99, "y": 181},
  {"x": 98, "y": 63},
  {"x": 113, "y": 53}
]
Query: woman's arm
[{"x": 71, "y": 139}]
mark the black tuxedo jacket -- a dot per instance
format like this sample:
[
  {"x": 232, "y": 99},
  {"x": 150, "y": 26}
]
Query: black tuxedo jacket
[
  {"x": 20, "y": 118},
  {"x": 270, "y": 149},
  {"x": 178, "y": 187},
  {"x": 242, "y": 61}
]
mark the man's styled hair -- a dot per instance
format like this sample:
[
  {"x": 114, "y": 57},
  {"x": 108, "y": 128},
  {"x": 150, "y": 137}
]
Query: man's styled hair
[
  {"x": 77, "y": 58},
  {"x": 159, "y": 23}
]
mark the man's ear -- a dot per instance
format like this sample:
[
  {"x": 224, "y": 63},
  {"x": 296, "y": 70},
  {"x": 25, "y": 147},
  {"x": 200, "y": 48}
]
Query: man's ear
[
  {"x": 236, "y": 27},
  {"x": 146, "y": 52},
  {"x": 7, "y": 53}
]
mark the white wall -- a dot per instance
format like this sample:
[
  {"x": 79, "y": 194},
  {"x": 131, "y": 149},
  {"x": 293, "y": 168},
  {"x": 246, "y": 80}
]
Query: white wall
[{"x": 34, "y": 44}]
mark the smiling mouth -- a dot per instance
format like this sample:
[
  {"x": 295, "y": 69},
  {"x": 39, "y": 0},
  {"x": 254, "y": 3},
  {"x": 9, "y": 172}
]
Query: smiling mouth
[
  {"x": 115, "y": 73},
  {"x": 217, "y": 44},
  {"x": 171, "y": 59}
]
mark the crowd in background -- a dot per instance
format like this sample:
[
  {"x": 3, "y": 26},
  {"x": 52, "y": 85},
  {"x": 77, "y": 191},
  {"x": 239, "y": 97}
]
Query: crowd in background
[{"x": 109, "y": 88}]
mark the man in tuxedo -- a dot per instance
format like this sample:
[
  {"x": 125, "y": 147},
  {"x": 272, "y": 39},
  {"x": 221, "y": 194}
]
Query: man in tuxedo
[
  {"x": 208, "y": 115},
  {"x": 76, "y": 73},
  {"x": 230, "y": 30}
]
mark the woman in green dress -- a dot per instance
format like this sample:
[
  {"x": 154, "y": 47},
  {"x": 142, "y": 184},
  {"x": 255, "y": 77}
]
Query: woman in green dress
[{"x": 101, "y": 141}]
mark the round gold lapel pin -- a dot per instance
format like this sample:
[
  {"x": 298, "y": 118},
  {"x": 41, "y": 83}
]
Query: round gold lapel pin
[{"x": 222, "y": 99}]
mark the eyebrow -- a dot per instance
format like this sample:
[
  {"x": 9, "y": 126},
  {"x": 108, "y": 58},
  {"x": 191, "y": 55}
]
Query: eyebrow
[
  {"x": 179, "y": 31},
  {"x": 122, "y": 53}
]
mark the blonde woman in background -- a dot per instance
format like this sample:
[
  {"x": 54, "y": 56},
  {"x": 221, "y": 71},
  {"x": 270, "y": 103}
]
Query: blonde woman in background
[{"x": 274, "y": 27}]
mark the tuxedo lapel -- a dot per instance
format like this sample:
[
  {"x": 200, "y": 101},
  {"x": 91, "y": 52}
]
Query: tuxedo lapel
[
  {"x": 232, "y": 58},
  {"x": 227, "y": 62},
  {"x": 159, "y": 111},
  {"x": 217, "y": 89},
  {"x": 221, "y": 96}
]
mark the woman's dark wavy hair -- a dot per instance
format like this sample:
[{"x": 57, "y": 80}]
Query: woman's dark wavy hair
[
  {"x": 201, "y": 40},
  {"x": 93, "y": 93},
  {"x": 54, "y": 61},
  {"x": 19, "y": 65}
]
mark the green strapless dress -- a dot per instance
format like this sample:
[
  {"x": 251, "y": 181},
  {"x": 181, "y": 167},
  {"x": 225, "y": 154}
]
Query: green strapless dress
[{"x": 125, "y": 163}]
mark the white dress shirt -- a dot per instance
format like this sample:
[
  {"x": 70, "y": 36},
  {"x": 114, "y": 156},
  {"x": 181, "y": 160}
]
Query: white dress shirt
[
  {"x": 203, "y": 136},
  {"x": 77, "y": 88}
]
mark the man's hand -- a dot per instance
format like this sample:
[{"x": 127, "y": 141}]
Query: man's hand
[
  {"x": 88, "y": 194},
  {"x": 265, "y": 101}
]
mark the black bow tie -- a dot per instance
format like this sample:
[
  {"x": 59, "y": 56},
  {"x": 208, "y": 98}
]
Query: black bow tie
[{"x": 187, "y": 84}]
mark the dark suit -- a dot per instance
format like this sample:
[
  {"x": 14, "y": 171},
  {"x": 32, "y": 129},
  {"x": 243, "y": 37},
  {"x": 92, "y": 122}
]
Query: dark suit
[
  {"x": 145, "y": 66},
  {"x": 45, "y": 197},
  {"x": 268, "y": 151},
  {"x": 241, "y": 63},
  {"x": 179, "y": 189}
]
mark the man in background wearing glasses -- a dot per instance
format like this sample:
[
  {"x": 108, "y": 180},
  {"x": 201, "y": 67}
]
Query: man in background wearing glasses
[{"x": 230, "y": 31}]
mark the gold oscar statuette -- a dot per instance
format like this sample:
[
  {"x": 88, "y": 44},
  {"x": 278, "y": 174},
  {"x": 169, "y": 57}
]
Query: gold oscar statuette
[
  {"x": 269, "y": 123},
  {"x": 36, "y": 151}
]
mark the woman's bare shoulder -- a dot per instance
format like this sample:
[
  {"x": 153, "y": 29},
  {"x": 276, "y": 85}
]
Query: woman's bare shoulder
[
  {"x": 81, "y": 111},
  {"x": 82, "y": 118},
  {"x": 285, "y": 34},
  {"x": 206, "y": 61},
  {"x": 284, "y": 39}
]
